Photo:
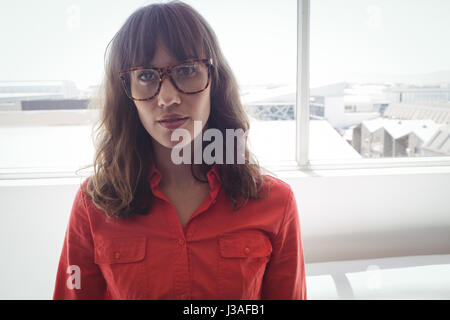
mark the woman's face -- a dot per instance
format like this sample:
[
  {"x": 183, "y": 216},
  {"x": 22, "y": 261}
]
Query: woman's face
[{"x": 170, "y": 103}]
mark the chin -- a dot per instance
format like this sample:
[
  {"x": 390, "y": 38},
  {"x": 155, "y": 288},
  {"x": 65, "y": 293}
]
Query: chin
[
  {"x": 166, "y": 142},
  {"x": 173, "y": 144}
]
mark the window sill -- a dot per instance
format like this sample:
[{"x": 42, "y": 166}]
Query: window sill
[
  {"x": 361, "y": 167},
  {"x": 282, "y": 169}
]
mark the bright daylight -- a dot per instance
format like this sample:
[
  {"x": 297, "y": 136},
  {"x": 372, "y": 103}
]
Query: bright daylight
[{"x": 366, "y": 156}]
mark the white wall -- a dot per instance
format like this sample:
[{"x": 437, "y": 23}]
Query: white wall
[
  {"x": 353, "y": 216},
  {"x": 376, "y": 215},
  {"x": 33, "y": 219}
]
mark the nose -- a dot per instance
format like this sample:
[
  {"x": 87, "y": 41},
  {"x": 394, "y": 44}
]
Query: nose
[{"x": 168, "y": 94}]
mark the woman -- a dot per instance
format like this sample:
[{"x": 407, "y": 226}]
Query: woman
[{"x": 145, "y": 227}]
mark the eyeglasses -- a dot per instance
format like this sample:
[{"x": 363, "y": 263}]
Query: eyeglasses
[{"x": 144, "y": 83}]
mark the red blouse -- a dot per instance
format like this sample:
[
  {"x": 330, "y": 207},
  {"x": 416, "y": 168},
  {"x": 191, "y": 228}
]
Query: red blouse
[{"x": 221, "y": 254}]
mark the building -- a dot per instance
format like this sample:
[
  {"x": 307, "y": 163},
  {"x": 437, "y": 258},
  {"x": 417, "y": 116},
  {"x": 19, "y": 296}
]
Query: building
[
  {"x": 342, "y": 104},
  {"x": 439, "y": 144},
  {"x": 270, "y": 102},
  {"x": 381, "y": 138},
  {"x": 345, "y": 105},
  {"x": 424, "y": 94},
  {"x": 55, "y": 104},
  {"x": 12, "y": 93},
  {"x": 438, "y": 112}
]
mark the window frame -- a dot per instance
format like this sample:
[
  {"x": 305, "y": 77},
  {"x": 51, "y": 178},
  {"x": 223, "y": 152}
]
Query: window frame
[{"x": 302, "y": 163}]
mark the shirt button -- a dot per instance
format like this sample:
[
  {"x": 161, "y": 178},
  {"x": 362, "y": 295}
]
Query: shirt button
[
  {"x": 117, "y": 255},
  {"x": 181, "y": 242},
  {"x": 247, "y": 250}
]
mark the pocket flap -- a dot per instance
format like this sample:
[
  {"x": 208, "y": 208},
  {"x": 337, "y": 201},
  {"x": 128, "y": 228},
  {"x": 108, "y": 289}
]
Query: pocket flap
[
  {"x": 244, "y": 245},
  {"x": 120, "y": 250}
]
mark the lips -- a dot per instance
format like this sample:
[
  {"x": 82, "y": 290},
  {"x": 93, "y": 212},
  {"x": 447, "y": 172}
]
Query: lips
[{"x": 172, "y": 121}]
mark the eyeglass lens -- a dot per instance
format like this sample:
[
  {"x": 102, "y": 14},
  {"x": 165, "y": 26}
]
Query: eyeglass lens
[{"x": 189, "y": 77}]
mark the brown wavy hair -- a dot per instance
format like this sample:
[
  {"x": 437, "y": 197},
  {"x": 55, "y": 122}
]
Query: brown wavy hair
[{"x": 119, "y": 184}]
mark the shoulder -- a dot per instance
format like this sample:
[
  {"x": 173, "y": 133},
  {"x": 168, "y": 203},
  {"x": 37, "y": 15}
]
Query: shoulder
[
  {"x": 277, "y": 184},
  {"x": 82, "y": 198},
  {"x": 83, "y": 206},
  {"x": 276, "y": 191}
]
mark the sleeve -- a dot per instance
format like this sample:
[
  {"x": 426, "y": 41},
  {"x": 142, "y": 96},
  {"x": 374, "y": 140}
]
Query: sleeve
[
  {"x": 284, "y": 278},
  {"x": 78, "y": 277}
]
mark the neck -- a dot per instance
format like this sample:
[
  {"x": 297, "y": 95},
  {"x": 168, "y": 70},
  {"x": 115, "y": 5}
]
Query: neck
[{"x": 179, "y": 175}]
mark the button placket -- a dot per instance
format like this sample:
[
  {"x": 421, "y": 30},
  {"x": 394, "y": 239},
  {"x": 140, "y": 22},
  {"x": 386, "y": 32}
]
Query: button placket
[{"x": 181, "y": 276}]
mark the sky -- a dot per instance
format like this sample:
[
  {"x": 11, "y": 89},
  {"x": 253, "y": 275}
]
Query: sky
[{"x": 66, "y": 40}]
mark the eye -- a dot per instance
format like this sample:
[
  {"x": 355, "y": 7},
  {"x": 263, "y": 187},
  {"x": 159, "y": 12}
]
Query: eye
[
  {"x": 147, "y": 75},
  {"x": 188, "y": 70}
]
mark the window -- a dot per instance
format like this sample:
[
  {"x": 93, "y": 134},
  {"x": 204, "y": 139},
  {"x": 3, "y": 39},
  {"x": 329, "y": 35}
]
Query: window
[
  {"x": 51, "y": 65},
  {"x": 50, "y": 75},
  {"x": 364, "y": 72},
  {"x": 260, "y": 44},
  {"x": 367, "y": 67}
]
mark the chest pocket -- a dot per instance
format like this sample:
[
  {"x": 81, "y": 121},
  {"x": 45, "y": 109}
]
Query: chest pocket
[
  {"x": 123, "y": 264},
  {"x": 242, "y": 262},
  {"x": 120, "y": 250}
]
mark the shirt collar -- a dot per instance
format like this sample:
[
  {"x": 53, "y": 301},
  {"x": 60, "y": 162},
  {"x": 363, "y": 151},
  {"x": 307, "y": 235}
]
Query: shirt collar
[{"x": 154, "y": 176}]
